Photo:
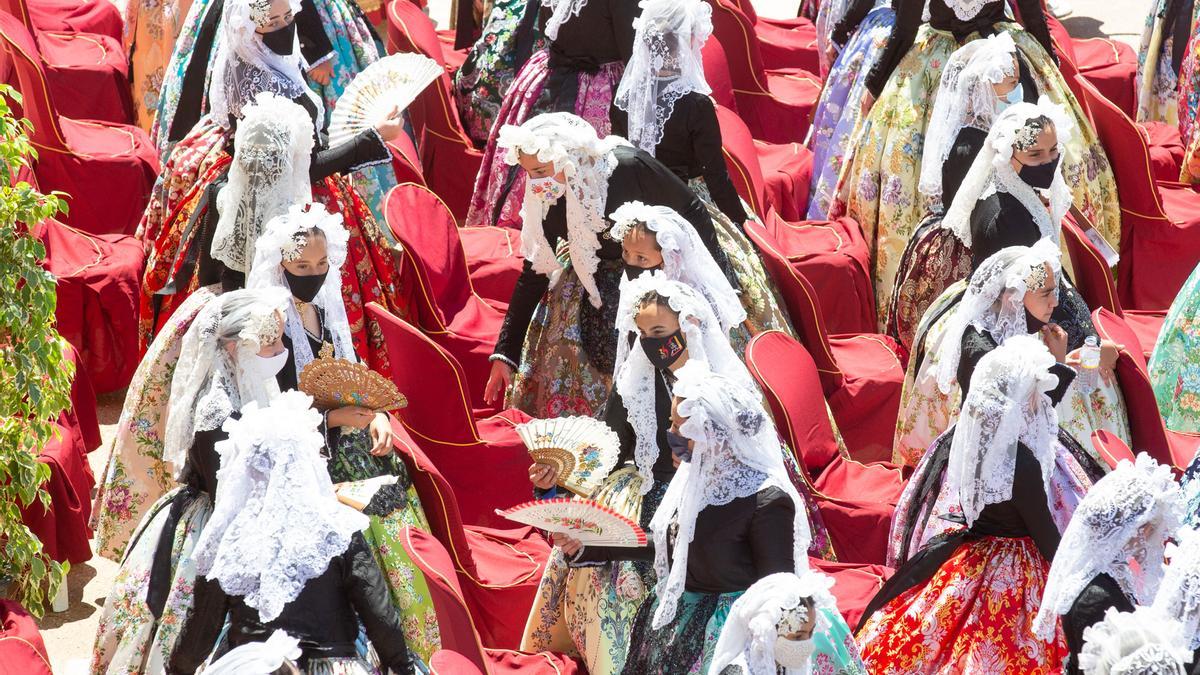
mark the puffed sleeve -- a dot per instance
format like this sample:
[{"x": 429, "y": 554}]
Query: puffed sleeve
[
  {"x": 526, "y": 295},
  {"x": 705, "y": 133},
  {"x": 848, "y": 24},
  {"x": 369, "y": 594},
  {"x": 623, "y": 14},
  {"x": 203, "y": 626},
  {"x": 771, "y": 533},
  {"x": 1029, "y": 497},
  {"x": 314, "y": 43},
  {"x": 904, "y": 32}
]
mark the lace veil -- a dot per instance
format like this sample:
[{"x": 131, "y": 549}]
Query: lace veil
[
  {"x": 1132, "y": 643},
  {"x": 269, "y": 173},
  {"x": 1179, "y": 592},
  {"x": 748, "y": 636},
  {"x": 670, "y": 35},
  {"x": 1007, "y": 404},
  {"x": 286, "y": 235},
  {"x": 994, "y": 302},
  {"x": 991, "y": 171},
  {"x": 587, "y": 161},
  {"x": 1127, "y": 514},
  {"x": 244, "y": 66},
  {"x": 208, "y": 385},
  {"x": 276, "y": 522},
  {"x": 634, "y": 375},
  {"x": 964, "y": 98},
  {"x": 685, "y": 258}
]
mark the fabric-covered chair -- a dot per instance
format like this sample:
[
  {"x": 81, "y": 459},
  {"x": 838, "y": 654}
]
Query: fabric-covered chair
[
  {"x": 1110, "y": 66},
  {"x": 87, "y": 72},
  {"x": 1112, "y": 449},
  {"x": 768, "y": 175},
  {"x": 861, "y": 373},
  {"x": 1166, "y": 149},
  {"x": 856, "y": 500},
  {"x": 448, "y": 308},
  {"x": 406, "y": 161},
  {"x": 22, "y": 650},
  {"x": 783, "y": 43},
  {"x": 854, "y": 585},
  {"x": 1146, "y": 426},
  {"x": 460, "y": 628},
  {"x": 716, "y": 73},
  {"x": 77, "y": 16},
  {"x": 777, "y": 105},
  {"x": 107, "y": 169},
  {"x": 448, "y": 156}
]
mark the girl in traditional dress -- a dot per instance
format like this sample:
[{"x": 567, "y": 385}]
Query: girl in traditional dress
[
  {"x": 560, "y": 345},
  {"x": 1014, "y": 194},
  {"x": 1111, "y": 552},
  {"x": 965, "y": 603},
  {"x": 1179, "y": 591},
  {"x": 787, "y": 623},
  {"x": 303, "y": 252},
  {"x": 979, "y": 82},
  {"x": 590, "y": 43},
  {"x": 1175, "y": 364},
  {"x": 1160, "y": 59},
  {"x": 280, "y": 552},
  {"x": 878, "y": 185},
  {"x": 729, "y": 517},
  {"x": 229, "y": 357}
]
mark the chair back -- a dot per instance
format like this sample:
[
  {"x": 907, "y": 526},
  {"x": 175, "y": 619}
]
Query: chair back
[
  {"x": 736, "y": 34},
  {"x": 439, "y": 399},
  {"x": 455, "y": 624},
  {"x": 803, "y": 306},
  {"x": 37, "y": 103},
  {"x": 1112, "y": 449},
  {"x": 410, "y": 30},
  {"x": 426, "y": 229},
  {"x": 19, "y": 9},
  {"x": 788, "y": 376},
  {"x": 741, "y": 158},
  {"x": 716, "y": 73},
  {"x": 1093, "y": 277},
  {"x": 406, "y": 162}
]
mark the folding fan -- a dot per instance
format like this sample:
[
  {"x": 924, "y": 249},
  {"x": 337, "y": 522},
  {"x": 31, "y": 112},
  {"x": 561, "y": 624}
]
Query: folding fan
[
  {"x": 337, "y": 383},
  {"x": 582, "y": 450},
  {"x": 583, "y": 519},
  {"x": 358, "y": 494},
  {"x": 393, "y": 81}
]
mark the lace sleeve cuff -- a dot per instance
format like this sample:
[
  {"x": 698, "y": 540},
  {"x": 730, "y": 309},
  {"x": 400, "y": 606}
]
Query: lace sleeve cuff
[
  {"x": 324, "y": 59},
  {"x": 501, "y": 357},
  {"x": 374, "y": 148}
]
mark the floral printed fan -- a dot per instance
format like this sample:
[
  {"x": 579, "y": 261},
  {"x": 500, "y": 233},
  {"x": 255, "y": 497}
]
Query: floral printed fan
[
  {"x": 582, "y": 519},
  {"x": 393, "y": 81},
  {"x": 338, "y": 383},
  {"x": 582, "y": 450}
]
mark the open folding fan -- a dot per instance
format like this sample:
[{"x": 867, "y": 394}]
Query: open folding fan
[
  {"x": 585, "y": 520},
  {"x": 393, "y": 81},
  {"x": 358, "y": 494},
  {"x": 337, "y": 383},
  {"x": 582, "y": 450}
]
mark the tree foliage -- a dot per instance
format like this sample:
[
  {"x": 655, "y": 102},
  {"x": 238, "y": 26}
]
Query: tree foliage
[{"x": 35, "y": 378}]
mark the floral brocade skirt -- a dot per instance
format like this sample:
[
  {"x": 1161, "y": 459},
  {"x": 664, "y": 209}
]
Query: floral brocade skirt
[
  {"x": 933, "y": 260},
  {"x": 878, "y": 185},
  {"x": 499, "y": 186},
  {"x": 974, "y": 615},
  {"x": 685, "y": 646},
  {"x": 1157, "y": 82},
  {"x": 1175, "y": 363}
]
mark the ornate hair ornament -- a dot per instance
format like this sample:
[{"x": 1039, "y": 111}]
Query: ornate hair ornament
[
  {"x": 260, "y": 12},
  {"x": 793, "y": 619},
  {"x": 1036, "y": 279},
  {"x": 1028, "y": 134},
  {"x": 294, "y": 248},
  {"x": 261, "y": 330}
]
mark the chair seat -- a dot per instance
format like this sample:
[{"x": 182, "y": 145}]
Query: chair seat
[
  {"x": 22, "y": 649},
  {"x": 787, "y": 173},
  {"x": 853, "y": 585},
  {"x": 857, "y": 502},
  {"x": 1165, "y": 253},
  {"x": 1146, "y": 325},
  {"x": 77, "y": 16},
  {"x": 1110, "y": 65},
  {"x": 833, "y": 256},
  {"x": 799, "y": 88},
  {"x": 494, "y": 262},
  {"x": 100, "y": 140},
  {"x": 1166, "y": 149},
  {"x": 867, "y": 404},
  {"x": 509, "y": 661},
  {"x": 788, "y": 46},
  {"x": 63, "y": 527},
  {"x": 88, "y": 75}
]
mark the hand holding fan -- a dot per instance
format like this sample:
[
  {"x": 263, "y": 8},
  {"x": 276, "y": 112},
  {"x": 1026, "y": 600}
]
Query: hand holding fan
[
  {"x": 582, "y": 519},
  {"x": 337, "y": 383},
  {"x": 582, "y": 450},
  {"x": 389, "y": 83}
]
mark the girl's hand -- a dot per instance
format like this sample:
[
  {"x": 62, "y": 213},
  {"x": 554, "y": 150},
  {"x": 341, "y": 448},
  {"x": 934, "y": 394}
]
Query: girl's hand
[
  {"x": 569, "y": 545},
  {"x": 391, "y": 128},
  {"x": 322, "y": 74},
  {"x": 1056, "y": 341},
  {"x": 498, "y": 382},
  {"x": 542, "y": 476},
  {"x": 353, "y": 417},
  {"x": 381, "y": 435}
]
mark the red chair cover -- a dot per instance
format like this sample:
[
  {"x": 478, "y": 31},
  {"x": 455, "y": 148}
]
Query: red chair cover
[
  {"x": 1160, "y": 224},
  {"x": 494, "y": 262},
  {"x": 1093, "y": 277},
  {"x": 107, "y": 169},
  {"x": 98, "y": 277},
  {"x": 83, "y": 405},
  {"x": 447, "y": 154},
  {"x": 716, "y": 72},
  {"x": 1145, "y": 421},
  {"x": 1112, "y": 449},
  {"x": 77, "y": 16},
  {"x": 783, "y": 43},
  {"x": 787, "y": 175},
  {"x": 446, "y": 662},
  {"x": 861, "y": 374},
  {"x": 406, "y": 162},
  {"x": 1110, "y": 66},
  {"x": 854, "y": 585},
  {"x": 1166, "y": 149},
  {"x": 22, "y": 651},
  {"x": 63, "y": 527},
  {"x": 777, "y": 106}
]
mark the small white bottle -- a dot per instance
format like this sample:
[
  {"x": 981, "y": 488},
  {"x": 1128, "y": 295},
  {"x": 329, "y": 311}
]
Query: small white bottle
[{"x": 1089, "y": 364}]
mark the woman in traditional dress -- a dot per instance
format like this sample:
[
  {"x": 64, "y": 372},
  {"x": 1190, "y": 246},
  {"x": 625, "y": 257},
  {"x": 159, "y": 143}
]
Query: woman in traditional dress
[
  {"x": 1111, "y": 553},
  {"x": 729, "y": 517},
  {"x": 1179, "y": 591},
  {"x": 859, "y": 36},
  {"x": 1141, "y": 642},
  {"x": 590, "y": 43},
  {"x": 1014, "y": 194},
  {"x": 965, "y": 603},
  {"x": 662, "y": 106},
  {"x": 1011, "y": 295},
  {"x": 280, "y": 552},
  {"x": 1175, "y": 364},
  {"x": 978, "y": 83},
  {"x": 303, "y": 252},
  {"x": 229, "y": 357},
  {"x": 787, "y": 623},
  {"x": 560, "y": 345},
  {"x": 878, "y": 185},
  {"x": 1160, "y": 60},
  {"x": 151, "y": 29}
]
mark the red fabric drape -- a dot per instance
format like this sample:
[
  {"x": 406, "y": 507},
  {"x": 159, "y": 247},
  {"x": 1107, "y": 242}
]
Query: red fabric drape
[{"x": 22, "y": 651}]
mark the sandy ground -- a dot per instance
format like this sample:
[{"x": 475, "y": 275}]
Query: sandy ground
[{"x": 69, "y": 635}]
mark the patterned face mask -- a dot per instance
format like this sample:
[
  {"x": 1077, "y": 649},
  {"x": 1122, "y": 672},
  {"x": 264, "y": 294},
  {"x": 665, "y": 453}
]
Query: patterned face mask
[{"x": 547, "y": 189}]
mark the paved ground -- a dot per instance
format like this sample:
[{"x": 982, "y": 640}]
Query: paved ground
[{"x": 69, "y": 634}]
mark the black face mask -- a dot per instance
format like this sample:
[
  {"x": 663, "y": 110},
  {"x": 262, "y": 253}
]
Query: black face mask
[
  {"x": 281, "y": 41},
  {"x": 1040, "y": 175},
  {"x": 663, "y": 351},
  {"x": 633, "y": 271},
  {"x": 679, "y": 446},
  {"x": 305, "y": 288}
]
